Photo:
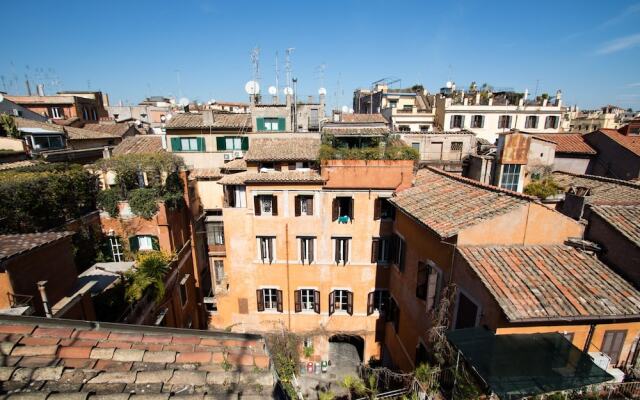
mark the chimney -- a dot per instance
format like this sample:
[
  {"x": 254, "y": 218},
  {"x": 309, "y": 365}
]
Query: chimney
[
  {"x": 521, "y": 102},
  {"x": 289, "y": 98},
  {"x": 526, "y": 94},
  {"x": 465, "y": 101},
  {"x": 322, "y": 96},
  {"x": 28, "y": 87},
  {"x": 477, "y": 99},
  {"x": 45, "y": 301},
  {"x": 544, "y": 102},
  {"x": 106, "y": 152},
  {"x": 491, "y": 100},
  {"x": 274, "y": 99},
  {"x": 40, "y": 89},
  {"x": 207, "y": 117},
  {"x": 559, "y": 98}
]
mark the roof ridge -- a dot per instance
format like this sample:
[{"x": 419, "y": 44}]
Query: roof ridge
[
  {"x": 602, "y": 178},
  {"x": 480, "y": 185}
]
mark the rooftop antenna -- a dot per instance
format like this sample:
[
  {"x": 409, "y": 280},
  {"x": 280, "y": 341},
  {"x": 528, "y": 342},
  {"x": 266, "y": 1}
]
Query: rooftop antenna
[
  {"x": 179, "y": 83},
  {"x": 277, "y": 75},
  {"x": 4, "y": 84},
  {"x": 535, "y": 97},
  {"x": 255, "y": 63},
  {"x": 287, "y": 67}
]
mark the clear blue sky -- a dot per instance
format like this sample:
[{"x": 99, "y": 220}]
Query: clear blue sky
[{"x": 131, "y": 49}]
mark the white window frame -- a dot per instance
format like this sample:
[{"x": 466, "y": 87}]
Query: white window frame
[
  {"x": 478, "y": 125},
  {"x": 56, "y": 113},
  {"x": 343, "y": 295},
  {"x": 272, "y": 295},
  {"x": 189, "y": 144},
  {"x": 239, "y": 194},
  {"x": 342, "y": 259},
  {"x": 271, "y": 124},
  {"x": 309, "y": 304},
  {"x": 264, "y": 241},
  {"x": 233, "y": 143},
  {"x": 147, "y": 240},
  {"x": 306, "y": 239},
  {"x": 453, "y": 124},
  {"x": 509, "y": 185},
  {"x": 266, "y": 204},
  {"x": 218, "y": 271}
]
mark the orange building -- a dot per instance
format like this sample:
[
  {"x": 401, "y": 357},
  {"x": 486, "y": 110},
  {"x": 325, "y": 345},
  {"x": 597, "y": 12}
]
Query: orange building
[
  {"x": 307, "y": 246},
  {"x": 65, "y": 106}
]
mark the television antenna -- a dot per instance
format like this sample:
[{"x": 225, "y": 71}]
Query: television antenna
[
  {"x": 255, "y": 62},
  {"x": 277, "y": 75},
  {"x": 288, "y": 68},
  {"x": 183, "y": 101}
]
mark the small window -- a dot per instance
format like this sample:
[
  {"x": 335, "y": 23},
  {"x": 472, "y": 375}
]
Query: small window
[
  {"x": 456, "y": 146},
  {"x": 269, "y": 299},
  {"x": 341, "y": 250},
  {"x": 219, "y": 270},
  {"x": 428, "y": 284},
  {"x": 233, "y": 143},
  {"x": 143, "y": 243},
  {"x": 383, "y": 209},
  {"x": 504, "y": 122},
  {"x": 510, "y": 176},
  {"x": 531, "y": 122},
  {"x": 551, "y": 122},
  {"x": 393, "y": 103},
  {"x": 477, "y": 121},
  {"x": 343, "y": 209},
  {"x": 341, "y": 300},
  {"x": 271, "y": 124},
  {"x": 404, "y": 128},
  {"x": 85, "y": 113},
  {"x": 307, "y": 300},
  {"x": 189, "y": 144},
  {"x": 266, "y": 249},
  {"x": 398, "y": 251},
  {"x": 378, "y": 300},
  {"x": 265, "y": 204},
  {"x": 303, "y": 205},
  {"x": 184, "y": 291},
  {"x": 56, "y": 112},
  {"x": 235, "y": 196},
  {"x": 457, "y": 121},
  {"x": 416, "y": 146},
  {"x": 380, "y": 250},
  {"x": 424, "y": 128},
  {"x": 306, "y": 249},
  {"x": 94, "y": 114},
  {"x": 215, "y": 233}
]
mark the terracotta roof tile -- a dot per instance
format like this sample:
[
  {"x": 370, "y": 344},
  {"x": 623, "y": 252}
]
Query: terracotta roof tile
[
  {"x": 283, "y": 149},
  {"x": 13, "y": 245},
  {"x": 220, "y": 121},
  {"x": 205, "y": 173},
  {"x": 87, "y": 134},
  {"x": 111, "y": 129},
  {"x": 631, "y": 143},
  {"x": 272, "y": 177},
  {"x": 603, "y": 191},
  {"x": 568, "y": 143},
  {"x": 356, "y": 131},
  {"x": 363, "y": 118},
  {"x": 624, "y": 219},
  {"x": 29, "y": 123},
  {"x": 446, "y": 204},
  {"x": 139, "y": 144},
  {"x": 77, "y": 369},
  {"x": 239, "y": 164},
  {"x": 551, "y": 283}
]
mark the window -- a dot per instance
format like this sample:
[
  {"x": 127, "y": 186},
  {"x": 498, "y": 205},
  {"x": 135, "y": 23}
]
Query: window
[
  {"x": 266, "y": 248},
  {"x": 235, "y": 196},
  {"x": 504, "y": 122},
  {"x": 304, "y": 165},
  {"x": 416, "y": 146},
  {"x": 380, "y": 250},
  {"x": 143, "y": 243},
  {"x": 306, "y": 249},
  {"x": 477, "y": 121},
  {"x": 341, "y": 300},
  {"x": 531, "y": 122},
  {"x": 342, "y": 209},
  {"x": 94, "y": 114},
  {"x": 428, "y": 284},
  {"x": 183, "y": 290},
  {"x": 47, "y": 142},
  {"x": 341, "y": 250},
  {"x": 457, "y": 121},
  {"x": 393, "y": 314},
  {"x": 612, "y": 343},
  {"x": 218, "y": 266},
  {"x": 85, "y": 113},
  {"x": 265, "y": 204},
  {"x": 383, "y": 209},
  {"x": 510, "y": 177},
  {"x": 269, "y": 300},
  {"x": 215, "y": 233},
  {"x": 551, "y": 122},
  {"x": 397, "y": 251},
  {"x": 272, "y": 124},
  {"x": 116, "y": 249},
  {"x": 303, "y": 205},
  {"x": 456, "y": 146},
  {"x": 187, "y": 144},
  {"x": 233, "y": 143},
  {"x": 393, "y": 103},
  {"x": 307, "y": 300},
  {"x": 377, "y": 300},
  {"x": 424, "y": 128},
  {"x": 467, "y": 312},
  {"x": 404, "y": 128},
  {"x": 56, "y": 112}
]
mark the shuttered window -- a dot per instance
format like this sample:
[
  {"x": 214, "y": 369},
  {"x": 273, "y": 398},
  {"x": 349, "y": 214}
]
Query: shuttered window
[
  {"x": 341, "y": 250},
  {"x": 307, "y": 300},
  {"x": 143, "y": 243},
  {"x": 428, "y": 284},
  {"x": 269, "y": 299},
  {"x": 266, "y": 249},
  {"x": 377, "y": 301},
  {"x": 380, "y": 250},
  {"x": 188, "y": 144},
  {"x": 306, "y": 249},
  {"x": 303, "y": 205},
  {"x": 341, "y": 300}
]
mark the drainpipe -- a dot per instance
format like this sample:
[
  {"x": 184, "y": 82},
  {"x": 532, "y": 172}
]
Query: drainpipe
[
  {"x": 587, "y": 343},
  {"x": 286, "y": 237},
  {"x": 45, "y": 301}
]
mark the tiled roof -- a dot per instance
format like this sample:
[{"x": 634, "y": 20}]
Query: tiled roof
[
  {"x": 84, "y": 134},
  {"x": 356, "y": 131},
  {"x": 631, "y": 143},
  {"x": 220, "y": 120},
  {"x": 17, "y": 164},
  {"x": 568, "y": 142},
  {"x": 272, "y": 177},
  {"x": 602, "y": 190},
  {"x": 112, "y": 129},
  {"x": 42, "y": 99},
  {"x": 624, "y": 219},
  {"x": 13, "y": 245},
  {"x": 447, "y": 203},
  {"x": 205, "y": 173},
  {"x": 139, "y": 144},
  {"x": 285, "y": 149},
  {"x": 551, "y": 283},
  {"x": 29, "y": 123},
  {"x": 239, "y": 164},
  {"x": 363, "y": 118},
  {"x": 62, "y": 359}
]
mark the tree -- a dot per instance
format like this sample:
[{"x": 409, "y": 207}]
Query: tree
[
  {"x": 8, "y": 126},
  {"x": 151, "y": 268}
]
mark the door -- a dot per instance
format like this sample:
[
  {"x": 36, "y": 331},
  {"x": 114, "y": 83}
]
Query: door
[
  {"x": 467, "y": 314},
  {"x": 434, "y": 151},
  {"x": 612, "y": 343}
]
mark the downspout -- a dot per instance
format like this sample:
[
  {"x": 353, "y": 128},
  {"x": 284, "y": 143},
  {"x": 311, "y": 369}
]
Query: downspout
[
  {"x": 45, "y": 300},
  {"x": 587, "y": 343},
  {"x": 286, "y": 238}
]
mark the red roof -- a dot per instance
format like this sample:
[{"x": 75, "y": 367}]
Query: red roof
[
  {"x": 631, "y": 143},
  {"x": 568, "y": 143},
  {"x": 363, "y": 118}
]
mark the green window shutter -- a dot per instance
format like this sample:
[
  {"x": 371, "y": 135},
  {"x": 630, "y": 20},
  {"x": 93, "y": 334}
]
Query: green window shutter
[
  {"x": 245, "y": 143},
  {"x": 155, "y": 243},
  {"x": 133, "y": 244},
  {"x": 281, "y": 124},
  {"x": 201, "y": 145},
  {"x": 176, "y": 145},
  {"x": 221, "y": 143},
  {"x": 260, "y": 124}
]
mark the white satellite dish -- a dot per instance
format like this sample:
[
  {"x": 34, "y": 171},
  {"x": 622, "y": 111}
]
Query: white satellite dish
[
  {"x": 351, "y": 111},
  {"x": 345, "y": 109},
  {"x": 449, "y": 84},
  {"x": 212, "y": 101},
  {"x": 287, "y": 91},
  {"x": 322, "y": 91},
  {"x": 272, "y": 90},
  {"x": 1, "y": 97},
  {"x": 184, "y": 102},
  {"x": 252, "y": 87},
  {"x": 172, "y": 101},
  {"x": 168, "y": 117}
]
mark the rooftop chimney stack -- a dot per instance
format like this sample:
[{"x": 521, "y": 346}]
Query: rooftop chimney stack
[
  {"x": 559, "y": 98},
  {"x": 40, "y": 89},
  {"x": 207, "y": 117}
]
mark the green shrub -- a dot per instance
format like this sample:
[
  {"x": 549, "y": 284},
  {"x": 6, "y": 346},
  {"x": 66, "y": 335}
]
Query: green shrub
[
  {"x": 151, "y": 268},
  {"x": 108, "y": 201},
  {"x": 543, "y": 188},
  {"x": 144, "y": 202}
]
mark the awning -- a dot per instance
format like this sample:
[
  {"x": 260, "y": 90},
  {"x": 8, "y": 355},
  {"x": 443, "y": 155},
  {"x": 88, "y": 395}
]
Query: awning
[{"x": 519, "y": 365}]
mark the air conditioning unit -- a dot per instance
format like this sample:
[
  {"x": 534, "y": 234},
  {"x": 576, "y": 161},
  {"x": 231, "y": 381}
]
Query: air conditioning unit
[
  {"x": 228, "y": 156},
  {"x": 600, "y": 359},
  {"x": 237, "y": 154}
]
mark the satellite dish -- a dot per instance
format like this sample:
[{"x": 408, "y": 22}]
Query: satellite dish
[
  {"x": 252, "y": 87},
  {"x": 1, "y": 97},
  {"x": 168, "y": 117},
  {"x": 287, "y": 91},
  {"x": 345, "y": 109},
  {"x": 322, "y": 91},
  {"x": 272, "y": 90},
  {"x": 212, "y": 101},
  {"x": 448, "y": 84},
  {"x": 351, "y": 111},
  {"x": 184, "y": 102},
  {"x": 172, "y": 101},
  {"x": 138, "y": 123}
]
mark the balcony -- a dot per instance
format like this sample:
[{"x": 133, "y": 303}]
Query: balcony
[
  {"x": 216, "y": 249},
  {"x": 20, "y": 304}
]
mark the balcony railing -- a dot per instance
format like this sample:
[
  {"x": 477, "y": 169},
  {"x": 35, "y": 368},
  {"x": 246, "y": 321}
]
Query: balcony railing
[{"x": 20, "y": 300}]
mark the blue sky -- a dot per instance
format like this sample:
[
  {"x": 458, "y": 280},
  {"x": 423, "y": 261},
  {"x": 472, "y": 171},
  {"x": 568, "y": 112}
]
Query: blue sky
[{"x": 131, "y": 49}]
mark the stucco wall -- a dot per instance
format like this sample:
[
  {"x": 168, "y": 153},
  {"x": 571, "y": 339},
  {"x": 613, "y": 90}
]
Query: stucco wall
[
  {"x": 573, "y": 165},
  {"x": 613, "y": 160},
  {"x": 211, "y": 194},
  {"x": 367, "y": 174}
]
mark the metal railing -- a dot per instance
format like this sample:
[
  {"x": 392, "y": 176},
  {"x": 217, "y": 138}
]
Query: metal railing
[{"x": 19, "y": 300}]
